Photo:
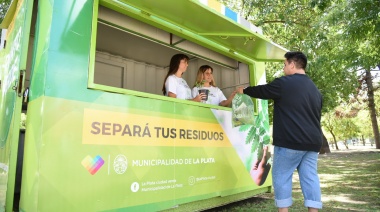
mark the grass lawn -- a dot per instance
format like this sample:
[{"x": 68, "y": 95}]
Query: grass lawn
[{"x": 350, "y": 181}]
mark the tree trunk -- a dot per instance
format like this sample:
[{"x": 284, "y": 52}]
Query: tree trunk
[
  {"x": 325, "y": 148},
  {"x": 336, "y": 144},
  {"x": 363, "y": 140},
  {"x": 372, "y": 110},
  {"x": 346, "y": 144}
]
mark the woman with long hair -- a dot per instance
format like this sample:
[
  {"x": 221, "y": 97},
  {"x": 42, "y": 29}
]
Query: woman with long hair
[{"x": 174, "y": 85}]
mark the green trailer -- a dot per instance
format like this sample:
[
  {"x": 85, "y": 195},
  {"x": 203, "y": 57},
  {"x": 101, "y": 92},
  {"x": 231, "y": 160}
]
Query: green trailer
[{"x": 99, "y": 135}]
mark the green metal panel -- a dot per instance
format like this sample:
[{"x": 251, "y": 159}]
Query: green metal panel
[
  {"x": 13, "y": 60},
  {"x": 61, "y": 55},
  {"x": 58, "y": 143}
]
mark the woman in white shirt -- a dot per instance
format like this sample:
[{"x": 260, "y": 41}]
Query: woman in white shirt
[
  {"x": 205, "y": 80},
  {"x": 174, "y": 85}
]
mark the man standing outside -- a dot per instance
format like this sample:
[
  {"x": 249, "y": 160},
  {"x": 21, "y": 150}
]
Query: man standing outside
[{"x": 297, "y": 135}]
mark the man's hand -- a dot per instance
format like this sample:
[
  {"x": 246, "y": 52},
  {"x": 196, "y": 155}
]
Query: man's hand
[{"x": 240, "y": 90}]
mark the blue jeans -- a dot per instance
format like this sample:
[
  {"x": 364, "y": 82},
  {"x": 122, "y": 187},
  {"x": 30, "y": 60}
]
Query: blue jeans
[{"x": 285, "y": 161}]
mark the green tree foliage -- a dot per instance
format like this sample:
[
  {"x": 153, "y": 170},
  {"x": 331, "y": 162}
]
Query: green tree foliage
[
  {"x": 344, "y": 123},
  {"x": 363, "y": 120},
  {"x": 339, "y": 37},
  {"x": 4, "y": 5},
  {"x": 329, "y": 123}
]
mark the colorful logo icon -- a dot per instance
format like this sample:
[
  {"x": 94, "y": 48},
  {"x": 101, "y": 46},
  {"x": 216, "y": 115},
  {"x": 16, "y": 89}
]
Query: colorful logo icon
[{"x": 92, "y": 165}]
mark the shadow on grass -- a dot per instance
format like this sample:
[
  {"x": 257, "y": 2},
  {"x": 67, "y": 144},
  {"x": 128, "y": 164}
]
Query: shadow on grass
[{"x": 349, "y": 181}]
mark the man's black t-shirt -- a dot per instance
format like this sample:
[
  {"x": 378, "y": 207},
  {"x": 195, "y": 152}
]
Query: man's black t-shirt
[{"x": 297, "y": 111}]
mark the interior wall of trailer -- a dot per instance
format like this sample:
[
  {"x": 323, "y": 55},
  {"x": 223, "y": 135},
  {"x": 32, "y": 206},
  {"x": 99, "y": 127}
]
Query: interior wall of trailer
[
  {"x": 133, "y": 55},
  {"x": 120, "y": 72}
]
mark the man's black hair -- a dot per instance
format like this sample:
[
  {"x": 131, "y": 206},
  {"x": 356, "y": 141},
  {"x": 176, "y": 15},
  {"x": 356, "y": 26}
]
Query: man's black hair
[{"x": 298, "y": 58}]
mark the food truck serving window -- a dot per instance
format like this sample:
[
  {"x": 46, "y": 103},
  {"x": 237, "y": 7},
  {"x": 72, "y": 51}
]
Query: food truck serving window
[
  {"x": 133, "y": 57},
  {"x": 132, "y": 44}
]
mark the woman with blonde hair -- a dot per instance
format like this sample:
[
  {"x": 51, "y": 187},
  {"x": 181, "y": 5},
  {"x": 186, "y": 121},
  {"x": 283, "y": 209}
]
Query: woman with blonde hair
[{"x": 205, "y": 80}]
